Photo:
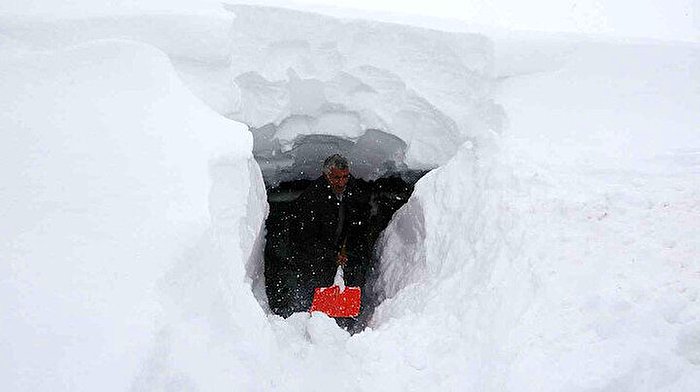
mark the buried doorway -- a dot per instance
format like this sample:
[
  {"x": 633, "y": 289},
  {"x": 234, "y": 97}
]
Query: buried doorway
[{"x": 376, "y": 162}]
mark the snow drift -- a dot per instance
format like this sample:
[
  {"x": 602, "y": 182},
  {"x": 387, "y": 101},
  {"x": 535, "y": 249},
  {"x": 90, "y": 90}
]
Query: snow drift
[
  {"x": 574, "y": 266},
  {"x": 105, "y": 182}
]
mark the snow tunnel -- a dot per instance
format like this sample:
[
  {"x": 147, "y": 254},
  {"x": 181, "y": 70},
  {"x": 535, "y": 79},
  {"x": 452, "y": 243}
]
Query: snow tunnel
[
  {"x": 397, "y": 101},
  {"x": 376, "y": 159}
]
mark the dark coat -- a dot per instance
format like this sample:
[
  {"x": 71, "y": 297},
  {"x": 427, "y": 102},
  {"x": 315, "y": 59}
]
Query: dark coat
[{"x": 317, "y": 237}]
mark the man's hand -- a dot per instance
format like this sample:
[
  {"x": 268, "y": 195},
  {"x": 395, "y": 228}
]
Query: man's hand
[{"x": 342, "y": 259}]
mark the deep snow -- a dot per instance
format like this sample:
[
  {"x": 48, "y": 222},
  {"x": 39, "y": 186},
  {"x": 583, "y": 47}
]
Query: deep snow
[{"x": 556, "y": 249}]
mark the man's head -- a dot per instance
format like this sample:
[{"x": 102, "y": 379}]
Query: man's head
[{"x": 337, "y": 172}]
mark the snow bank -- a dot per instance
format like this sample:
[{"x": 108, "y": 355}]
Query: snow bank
[
  {"x": 566, "y": 259},
  {"x": 105, "y": 189}
]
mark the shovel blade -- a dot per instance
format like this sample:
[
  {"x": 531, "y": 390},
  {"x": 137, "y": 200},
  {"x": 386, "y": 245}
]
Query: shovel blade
[{"x": 334, "y": 303}]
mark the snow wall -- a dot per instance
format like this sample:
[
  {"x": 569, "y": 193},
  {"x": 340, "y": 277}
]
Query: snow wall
[
  {"x": 115, "y": 260},
  {"x": 128, "y": 258}
]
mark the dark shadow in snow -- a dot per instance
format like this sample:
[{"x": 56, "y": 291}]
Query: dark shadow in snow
[
  {"x": 388, "y": 195},
  {"x": 376, "y": 159}
]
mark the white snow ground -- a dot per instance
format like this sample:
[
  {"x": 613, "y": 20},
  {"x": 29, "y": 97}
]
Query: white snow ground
[{"x": 558, "y": 251}]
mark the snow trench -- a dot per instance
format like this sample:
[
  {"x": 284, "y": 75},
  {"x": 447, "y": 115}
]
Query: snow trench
[
  {"x": 391, "y": 98},
  {"x": 205, "y": 331}
]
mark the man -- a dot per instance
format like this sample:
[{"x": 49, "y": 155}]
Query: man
[{"x": 331, "y": 231}]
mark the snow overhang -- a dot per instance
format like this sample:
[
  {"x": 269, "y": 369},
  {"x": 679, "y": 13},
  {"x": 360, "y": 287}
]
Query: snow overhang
[{"x": 388, "y": 96}]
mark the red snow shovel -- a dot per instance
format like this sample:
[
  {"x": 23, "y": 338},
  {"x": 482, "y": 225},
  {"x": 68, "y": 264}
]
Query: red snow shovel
[{"x": 337, "y": 300}]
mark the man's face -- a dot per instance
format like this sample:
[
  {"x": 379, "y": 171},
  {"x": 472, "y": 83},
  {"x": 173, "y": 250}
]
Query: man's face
[{"x": 338, "y": 178}]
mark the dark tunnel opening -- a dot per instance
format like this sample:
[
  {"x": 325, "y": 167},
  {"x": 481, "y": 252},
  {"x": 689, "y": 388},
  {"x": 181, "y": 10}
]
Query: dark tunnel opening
[
  {"x": 376, "y": 161},
  {"x": 387, "y": 195}
]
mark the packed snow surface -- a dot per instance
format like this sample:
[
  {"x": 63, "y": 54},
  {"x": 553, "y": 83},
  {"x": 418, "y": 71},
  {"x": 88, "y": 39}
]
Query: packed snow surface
[{"x": 555, "y": 248}]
